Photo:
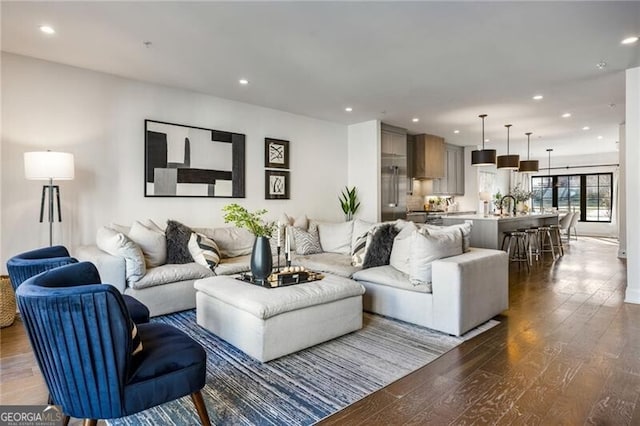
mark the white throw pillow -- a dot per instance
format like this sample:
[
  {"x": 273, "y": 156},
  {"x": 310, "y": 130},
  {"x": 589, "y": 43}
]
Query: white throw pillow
[
  {"x": 301, "y": 222},
  {"x": 464, "y": 227},
  {"x": 429, "y": 246},
  {"x": 117, "y": 244},
  {"x": 204, "y": 250},
  {"x": 401, "y": 250},
  {"x": 359, "y": 236},
  {"x": 120, "y": 228},
  {"x": 336, "y": 237},
  {"x": 152, "y": 242},
  {"x": 231, "y": 241}
]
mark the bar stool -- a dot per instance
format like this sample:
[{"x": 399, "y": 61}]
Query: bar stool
[
  {"x": 533, "y": 240},
  {"x": 519, "y": 241},
  {"x": 556, "y": 239},
  {"x": 546, "y": 243}
]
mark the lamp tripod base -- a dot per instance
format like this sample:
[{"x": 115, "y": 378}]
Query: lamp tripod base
[{"x": 50, "y": 190}]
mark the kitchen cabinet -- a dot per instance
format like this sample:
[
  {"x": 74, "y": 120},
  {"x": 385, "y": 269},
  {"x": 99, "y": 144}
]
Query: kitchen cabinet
[
  {"x": 428, "y": 157},
  {"x": 393, "y": 173},
  {"x": 453, "y": 181}
]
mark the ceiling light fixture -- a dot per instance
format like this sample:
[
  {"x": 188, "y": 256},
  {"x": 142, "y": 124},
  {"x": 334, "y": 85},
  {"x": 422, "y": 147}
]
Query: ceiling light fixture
[
  {"x": 566, "y": 115},
  {"x": 538, "y": 97},
  {"x": 483, "y": 157},
  {"x": 600, "y": 137},
  {"x": 47, "y": 29},
  {"x": 586, "y": 128},
  {"x": 601, "y": 65},
  {"x": 415, "y": 120},
  {"x": 348, "y": 109},
  {"x": 629, "y": 40},
  {"x": 243, "y": 81},
  {"x": 509, "y": 161},
  {"x": 529, "y": 166},
  {"x": 456, "y": 131}
]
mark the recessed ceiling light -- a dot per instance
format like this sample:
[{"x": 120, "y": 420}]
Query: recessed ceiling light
[
  {"x": 586, "y": 128},
  {"x": 456, "y": 131},
  {"x": 599, "y": 137},
  {"x": 243, "y": 81},
  {"x": 601, "y": 65},
  {"x": 47, "y": 29},
  {"x": 487, "y": 140},
  {"x": 538, "y": 97},
  {"x": 629, "y": 40},
  {"x": 566, "y": 115},
  {"x": 415, "y": 120},
  {"x": 348, "y": 109}
]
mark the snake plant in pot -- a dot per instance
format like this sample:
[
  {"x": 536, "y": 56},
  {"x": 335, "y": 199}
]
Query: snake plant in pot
[
  {"x": 261, "y": 259},
  {"x": 349, "y": 202}
]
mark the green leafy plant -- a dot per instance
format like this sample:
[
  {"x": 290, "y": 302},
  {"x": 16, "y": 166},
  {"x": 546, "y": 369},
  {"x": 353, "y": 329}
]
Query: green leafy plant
[
  {"x": 496, "y": 199},
  {"x": 349, "y": 202},
  {"x": 520, "y": 194},
  {"x": 253, "y": 222}
]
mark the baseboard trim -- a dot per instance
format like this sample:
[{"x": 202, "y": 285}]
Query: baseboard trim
[{"x": 632, "y": 296}]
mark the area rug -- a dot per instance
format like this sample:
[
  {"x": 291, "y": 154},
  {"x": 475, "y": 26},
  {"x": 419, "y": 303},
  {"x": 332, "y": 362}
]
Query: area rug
[{"x": 304, "y": 387}]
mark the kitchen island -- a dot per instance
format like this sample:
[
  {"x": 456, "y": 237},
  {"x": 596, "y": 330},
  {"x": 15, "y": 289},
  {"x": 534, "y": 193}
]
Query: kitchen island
[{"x": 487, "y": 231}]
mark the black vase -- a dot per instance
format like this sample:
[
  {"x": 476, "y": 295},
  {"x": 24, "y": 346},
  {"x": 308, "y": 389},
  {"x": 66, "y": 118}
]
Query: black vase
[{"x": 261, "y": 260}]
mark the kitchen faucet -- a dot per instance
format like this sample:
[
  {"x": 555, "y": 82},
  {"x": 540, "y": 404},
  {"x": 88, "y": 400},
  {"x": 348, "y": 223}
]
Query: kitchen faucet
[{"x": 514, "y": 203}]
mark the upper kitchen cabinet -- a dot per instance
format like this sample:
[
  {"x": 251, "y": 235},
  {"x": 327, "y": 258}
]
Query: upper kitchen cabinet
[
  {"x": 428, "y": 157},
  {"x": 453, "y": 181}
]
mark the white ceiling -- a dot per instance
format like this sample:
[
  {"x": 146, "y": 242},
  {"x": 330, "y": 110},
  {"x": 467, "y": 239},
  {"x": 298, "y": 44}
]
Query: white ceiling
[{"x": 443, "y": 62}]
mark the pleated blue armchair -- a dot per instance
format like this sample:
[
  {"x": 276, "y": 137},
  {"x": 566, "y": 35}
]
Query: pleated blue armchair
[
  {"x": 81, "y": 334},
  {"x": 28, "y": 264}
]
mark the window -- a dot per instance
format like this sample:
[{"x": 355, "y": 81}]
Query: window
[{"x": 590, "y": 194}]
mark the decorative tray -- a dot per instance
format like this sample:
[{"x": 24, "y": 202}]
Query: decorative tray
[{"x": 282, "y": 278}]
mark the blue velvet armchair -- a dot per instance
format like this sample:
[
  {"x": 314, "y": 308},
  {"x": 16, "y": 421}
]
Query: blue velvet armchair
[
  {"x": 81, "y": 333},
  {"x": 28, "y": 264}
]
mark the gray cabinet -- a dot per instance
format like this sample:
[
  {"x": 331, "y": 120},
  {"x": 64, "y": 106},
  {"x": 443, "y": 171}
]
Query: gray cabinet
[
  {"x": 453, "y": 181},
  {"x": 427, "y": 152},
  {"x": 393, "y": 173}
]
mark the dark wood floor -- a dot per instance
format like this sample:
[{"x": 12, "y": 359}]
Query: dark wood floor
[{"x": 566, "y": 352}]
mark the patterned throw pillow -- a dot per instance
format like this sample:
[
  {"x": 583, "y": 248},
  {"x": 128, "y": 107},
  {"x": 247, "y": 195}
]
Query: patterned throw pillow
[
  {"x": 359, "y": 249},
  {"x": 204, "y": 250},
  {"x": 136, "y": 343},
  {"x": 178, "y": 236},
  {"x": 307, "y": 242}
]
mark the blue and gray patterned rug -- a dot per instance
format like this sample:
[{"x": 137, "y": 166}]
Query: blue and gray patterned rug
[{"x": 304, "y": 387}]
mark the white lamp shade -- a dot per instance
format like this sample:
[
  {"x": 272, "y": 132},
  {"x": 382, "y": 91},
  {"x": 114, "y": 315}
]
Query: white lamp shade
[
  {"x": 484, "y": 196},
  {"x": 45, "y": 165}
]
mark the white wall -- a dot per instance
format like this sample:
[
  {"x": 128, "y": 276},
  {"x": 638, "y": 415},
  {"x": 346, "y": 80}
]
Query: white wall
[
  {"x": 622, "y": 198},
  {"x": 100, "y": 119},
  {"x": 364, "y": 167},
  {"x": 632, "y": 151}
]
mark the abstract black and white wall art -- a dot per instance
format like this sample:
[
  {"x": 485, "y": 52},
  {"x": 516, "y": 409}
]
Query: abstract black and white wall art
[
  {"x": 276, "y": 153},
  {"x": 276, "y": 185},
  {"x": 187, "y": 161}
]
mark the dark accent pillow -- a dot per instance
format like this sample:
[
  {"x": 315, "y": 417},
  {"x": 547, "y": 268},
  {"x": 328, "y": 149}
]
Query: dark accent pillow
[
  {"x": 178, "y": 242},
  {"x": 379, "y": 251}
]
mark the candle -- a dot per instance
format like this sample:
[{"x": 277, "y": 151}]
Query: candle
[
  {"x": 286, "y": 241},
  {"x": 279, "y": 234}
]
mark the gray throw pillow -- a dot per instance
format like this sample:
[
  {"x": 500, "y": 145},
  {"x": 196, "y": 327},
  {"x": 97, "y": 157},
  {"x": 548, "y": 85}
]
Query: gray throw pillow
[
  {"x": 379, "y": 250},
  {"x": 178, "y": 236},
  {"x": 307, "y": 242}
]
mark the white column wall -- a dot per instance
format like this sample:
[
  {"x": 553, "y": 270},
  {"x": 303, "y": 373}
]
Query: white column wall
[
  {"x": 364, "y": 163},
  {"x": 632, "y": 151}
]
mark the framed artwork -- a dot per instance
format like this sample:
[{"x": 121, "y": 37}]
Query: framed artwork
[
  {"x": 276, "y": 185},
  {"x": 187, "y": 161},
  {"x": 276, "y": 153}
]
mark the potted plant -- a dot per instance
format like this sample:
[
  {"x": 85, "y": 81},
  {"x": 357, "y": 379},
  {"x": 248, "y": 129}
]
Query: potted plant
[
  {"x": 261, "y": 260},
  {"x": 349, "y": 202},
  {"x": 521, "y": 197}
]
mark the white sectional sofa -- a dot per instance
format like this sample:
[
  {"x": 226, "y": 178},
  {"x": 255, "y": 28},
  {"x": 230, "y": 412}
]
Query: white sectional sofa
[{"x": 465, "y": 290}]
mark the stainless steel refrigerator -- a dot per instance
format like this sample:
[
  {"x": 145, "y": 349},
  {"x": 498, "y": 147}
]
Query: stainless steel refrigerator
[{"x": 394, "y": 173}]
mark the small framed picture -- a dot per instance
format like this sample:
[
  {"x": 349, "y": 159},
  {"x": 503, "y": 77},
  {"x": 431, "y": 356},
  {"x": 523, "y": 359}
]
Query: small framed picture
[
  {"x": 276, "y": 153},
  {"x": 276, "y": 185}
]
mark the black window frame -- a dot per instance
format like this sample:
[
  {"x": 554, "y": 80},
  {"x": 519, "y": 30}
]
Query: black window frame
[{"x": 583, "y": 192}]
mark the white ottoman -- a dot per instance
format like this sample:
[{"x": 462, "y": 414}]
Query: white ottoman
[{"x": 270, "y": 323}]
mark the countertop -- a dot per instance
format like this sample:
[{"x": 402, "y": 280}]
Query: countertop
[{"x": 505, "y": 218}]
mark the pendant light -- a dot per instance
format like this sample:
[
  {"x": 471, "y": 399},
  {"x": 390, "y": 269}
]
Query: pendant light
[
  {"x": 483, "y": 157},
  {"x": 529, "y": 166},
  {"x": 508, "y": 162}
]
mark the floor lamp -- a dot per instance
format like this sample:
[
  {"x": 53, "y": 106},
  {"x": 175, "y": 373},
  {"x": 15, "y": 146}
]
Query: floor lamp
[{"x": 49, "y": 166}]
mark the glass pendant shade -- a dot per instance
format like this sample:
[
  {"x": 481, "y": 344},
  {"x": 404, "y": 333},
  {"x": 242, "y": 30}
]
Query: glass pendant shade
[
  {"x": 483, "y": 157},
  {"x": 529, "y": 166},
  {"x": 509, "y": 161}
]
